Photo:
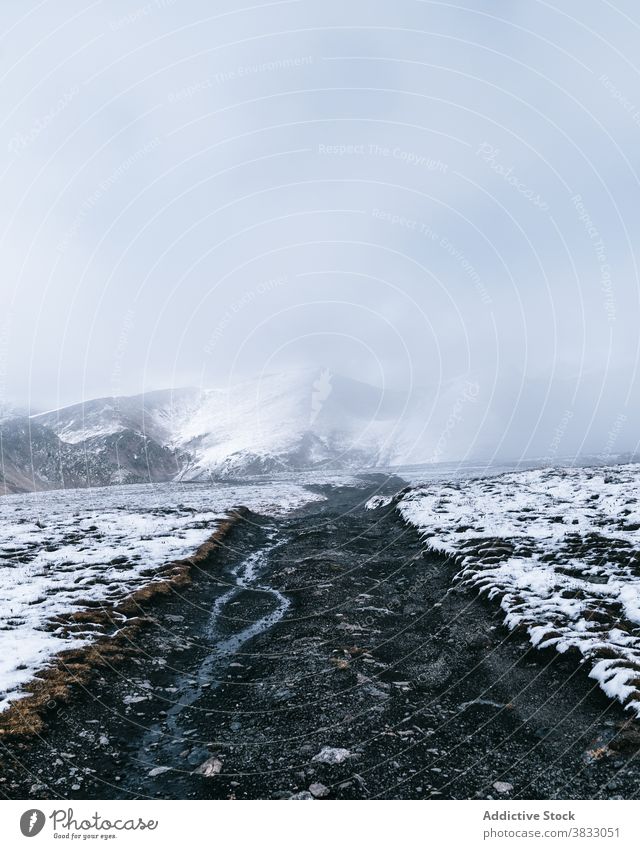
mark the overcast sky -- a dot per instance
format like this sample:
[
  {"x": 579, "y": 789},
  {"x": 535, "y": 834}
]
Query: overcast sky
[{"x": 409, "y": 193}]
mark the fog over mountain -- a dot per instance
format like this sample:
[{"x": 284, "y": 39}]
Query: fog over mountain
[
  {"x": 279, "y": 423},
  {"x": 417, "y": 197},
  {"x": 282, "y": 422}
]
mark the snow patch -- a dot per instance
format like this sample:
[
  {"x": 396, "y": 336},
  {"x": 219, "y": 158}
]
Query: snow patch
[
  {"x": 377, "y": 501},
  {"x": 65, "y": 550},
  {"x": 560, "y": 549}
]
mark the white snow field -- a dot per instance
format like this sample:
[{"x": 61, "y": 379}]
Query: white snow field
[
  {"x": 560, "y": 548},
  {"x": 61, "y": 551}
]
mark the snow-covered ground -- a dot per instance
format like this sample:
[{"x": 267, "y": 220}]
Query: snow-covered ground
[
  {"x": 560, "y": 548},
  {"x": 423, "y": 474},
  {"x": 60, "y": 551}
]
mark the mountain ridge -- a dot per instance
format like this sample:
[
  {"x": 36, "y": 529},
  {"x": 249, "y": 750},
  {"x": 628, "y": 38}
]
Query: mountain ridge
[{"x": 306, "y": 419}]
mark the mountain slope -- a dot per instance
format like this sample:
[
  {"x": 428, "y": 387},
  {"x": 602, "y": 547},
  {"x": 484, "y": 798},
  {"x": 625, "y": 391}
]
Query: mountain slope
[
  {"x": 155, "y": 415},
  {"x": 288, "y": 421},
  {"x": 300, "y": 420},
  {"x": 33, "y": 457},
  {"x": 307, "y": 419}
]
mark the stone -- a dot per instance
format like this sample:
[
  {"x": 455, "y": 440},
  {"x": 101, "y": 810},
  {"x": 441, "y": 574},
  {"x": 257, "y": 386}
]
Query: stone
[
  {"x": 331, "y": 755},
  {"x": 198, "y": 756},
  {"x": 502, "y": 786},
  {"x": 210, "y": 768},
  {"x": 318, "y": 791},
  {"x": 158, "y": 770}
]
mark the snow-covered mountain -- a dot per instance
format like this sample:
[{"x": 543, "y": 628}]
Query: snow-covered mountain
[
  {"x": 300, "y": 420},
  {"x": 308, "y": 419},
  {"x": 154, "y": 414},
  {"x": 33, "y": 457},
  {"x": 290, "y": 421}
]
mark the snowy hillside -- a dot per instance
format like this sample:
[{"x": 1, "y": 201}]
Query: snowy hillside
[
  {"x": 33, "y": 457},
  {"x": 301, "y": 420},
  {"x": 307, "y": 419},
  {"x": 157, "y": 415}
]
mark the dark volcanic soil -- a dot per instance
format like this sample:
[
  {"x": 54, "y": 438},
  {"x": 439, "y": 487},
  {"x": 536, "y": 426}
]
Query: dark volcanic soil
[{"x": 330, "y": 628}]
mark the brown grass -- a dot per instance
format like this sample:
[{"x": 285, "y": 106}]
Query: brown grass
[{"x": 54, "y": 684}]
